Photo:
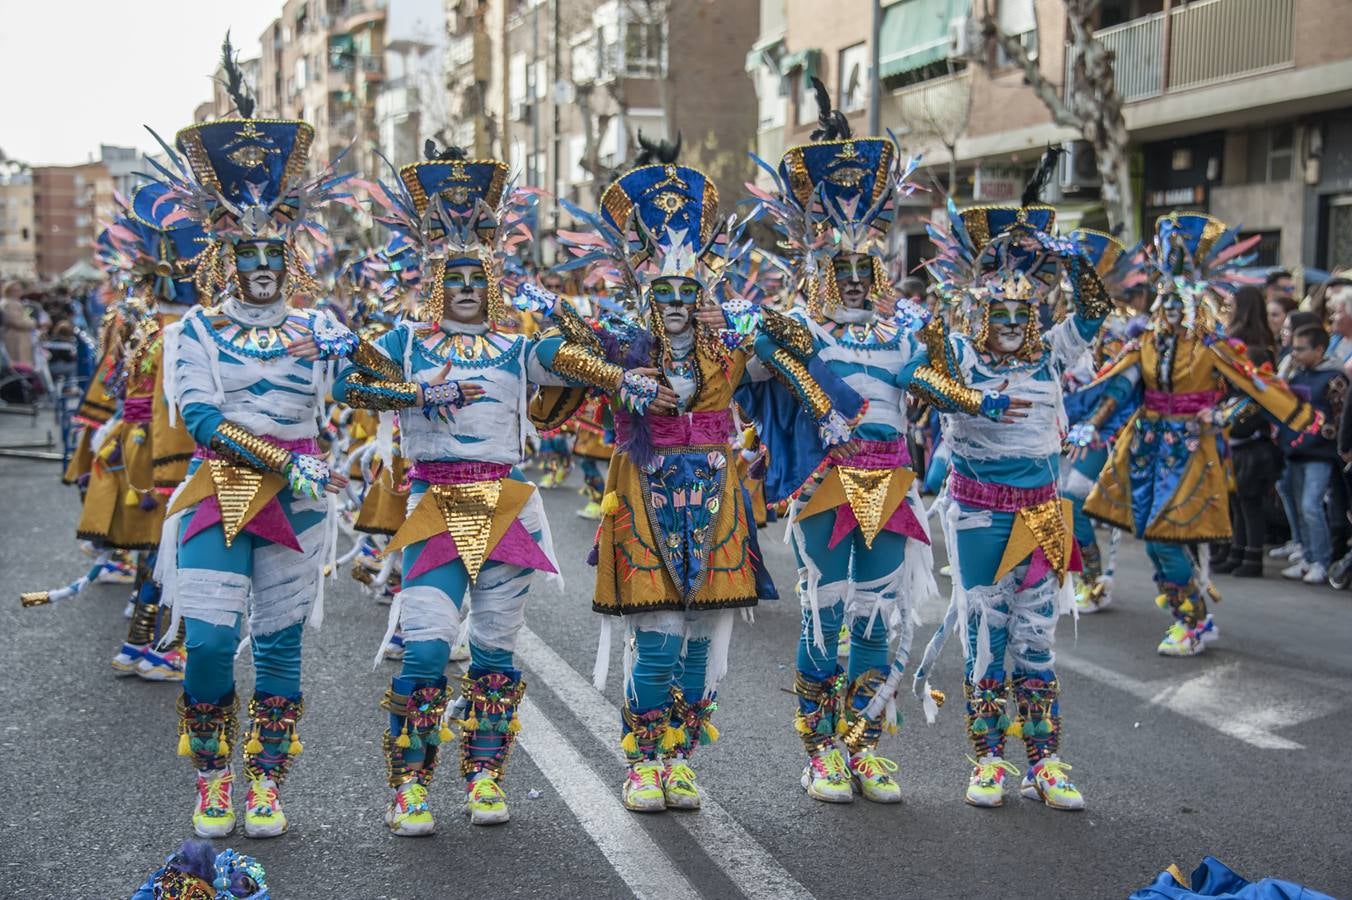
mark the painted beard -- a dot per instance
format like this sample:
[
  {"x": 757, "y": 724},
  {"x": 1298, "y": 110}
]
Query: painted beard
[
  {"x": 260, "y": 286},
  {"x": 675, "y": 319},
  {"x": 468, "y": 308}
]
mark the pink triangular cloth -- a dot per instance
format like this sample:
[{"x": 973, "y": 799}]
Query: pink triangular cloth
[
  {"x": 270, "y": 524},
  {"x": 902, "y": 521},
  {"x": 517, "y": 548},
  {"x": 1039, "y": 565}
]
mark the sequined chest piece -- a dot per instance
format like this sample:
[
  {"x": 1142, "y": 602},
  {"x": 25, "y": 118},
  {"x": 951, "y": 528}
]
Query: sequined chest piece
[
  {"x": 470, "y": 350},
  {"x": 868, "y": 336},
  {"x": 261, "y": 341}
]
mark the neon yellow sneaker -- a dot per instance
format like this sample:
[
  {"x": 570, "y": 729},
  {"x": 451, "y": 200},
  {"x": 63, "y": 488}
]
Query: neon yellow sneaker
[
  {"x": 1047, "y": 782},
  {"x": 678, "y": 784},
  {"x": 591, "y": 511},
  {"x": 486, "y": 802},
  {"x": 1179, "y": 640},
  {"x": 214, "y": 815},
  {"x": 873, "y": 777},
  {"x": 643, "y": 787},
  {"x": 987, "y": 785},
  {"x": 843, "y": 642},
  {"x": 408, "y": 814},
  {"x": 827, "y": 778},
  {"x": 263, "y": 815}
]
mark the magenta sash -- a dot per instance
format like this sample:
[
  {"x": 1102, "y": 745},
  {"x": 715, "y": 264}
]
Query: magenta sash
[
  {"x": 996, "y": 497},
  {"x": 685, "y": 430}
]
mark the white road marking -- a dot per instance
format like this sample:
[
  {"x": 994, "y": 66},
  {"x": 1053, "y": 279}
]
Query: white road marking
[
  {"x": 642, "y": 865},
  {"x": 1234, "y": 699},
  {"x": 746, "y": 863}
]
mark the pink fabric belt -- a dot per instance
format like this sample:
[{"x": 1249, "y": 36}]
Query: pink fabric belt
[
  {"x": 137, "y": 410},
  {"x": 878, "y": 455},
  {"x": 459, "y": 472},
  {"x": 685, "y": 430},
  {"x": 1168, "y": 404},
  {"x": 303, "y": 446},
  {"x": 996, "y": 497}
]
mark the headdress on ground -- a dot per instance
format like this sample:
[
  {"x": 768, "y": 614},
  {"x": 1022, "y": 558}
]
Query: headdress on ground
[
  {"x": 244, "y": 180},
  {"x": 1193, "y": 254},
  {"x": 197, "y": 872},
  {"x": 450, "y": 208},
  {"x": 835, "y": 195}
]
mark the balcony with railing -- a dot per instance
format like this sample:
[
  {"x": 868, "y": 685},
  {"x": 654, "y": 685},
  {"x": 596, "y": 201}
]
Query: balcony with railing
[{"x": 1203, "y": 43}]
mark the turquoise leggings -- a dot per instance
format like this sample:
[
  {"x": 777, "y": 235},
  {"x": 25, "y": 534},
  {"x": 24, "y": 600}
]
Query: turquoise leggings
[
  {"x": 659, "y": 664},
  {"x": 210, "y": 675}
]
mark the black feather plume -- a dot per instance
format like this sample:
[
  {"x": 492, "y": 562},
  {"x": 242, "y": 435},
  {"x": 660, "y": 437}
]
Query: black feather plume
[
  {"x": 234, "y": 82},
  {"x": 451, "y": 152},
  {"x": 663, "y": 152},
  {"x": 834, "y": 126},
  {"x": 1032, "y": 191}
]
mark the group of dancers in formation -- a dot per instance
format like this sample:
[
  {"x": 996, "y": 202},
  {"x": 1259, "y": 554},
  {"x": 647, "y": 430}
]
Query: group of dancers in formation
[{"x": 211, "y": 443}]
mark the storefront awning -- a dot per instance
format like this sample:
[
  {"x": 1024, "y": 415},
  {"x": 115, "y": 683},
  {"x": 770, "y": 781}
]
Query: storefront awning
[
  {"x": 806, "y": 62},
  {"x": 914, "y": 33}
]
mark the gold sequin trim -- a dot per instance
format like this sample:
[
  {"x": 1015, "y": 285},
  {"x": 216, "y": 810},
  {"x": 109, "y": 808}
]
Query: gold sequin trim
[
  {"x": 274, "y": 457},
  {"x": 786, "y": 332},
  {"x": 372, "y": 360},
  {"x": 795, "y": 376},
  {"x": 946, "y": 392},
  {"x": 467, "y": 510},
  {"x": 574, "y": 362},
  {"x": 365, "y": 392}
]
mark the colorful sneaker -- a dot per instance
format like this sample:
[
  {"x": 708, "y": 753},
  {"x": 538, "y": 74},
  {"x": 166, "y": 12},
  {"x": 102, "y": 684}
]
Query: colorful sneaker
[
  {"x": 115, "y": 573},
  {"x": 486, "y": 802},
  {"x": 678, "y": 784},
  {"x": 408, "y": 814},
  {"x": 987, "y": 785},
  {"x": 873, "y": 777},
  {"x": 1179, "y": 640},
  {"x": 395, "y": 648},
  {"x": 1047, "y": 782},
  {"x": 1090, "y": 598},
  {"x": 591, "y": 511},
  {"x": 128, "y": 657},
  {"x": 643, "y": 787},
  {"x": 167, "y": 666},
  {"x": 263, "y": 815},
  {"x": 843, "y": 642},
  {"x": 827, "y": 778},
  {"x": 214, "y": 815}
]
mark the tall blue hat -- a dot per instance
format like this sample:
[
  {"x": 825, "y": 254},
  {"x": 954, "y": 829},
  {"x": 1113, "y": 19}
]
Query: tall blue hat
[
  {"x": 668, "y": 215},
  {"x": 169, "y": 244}
]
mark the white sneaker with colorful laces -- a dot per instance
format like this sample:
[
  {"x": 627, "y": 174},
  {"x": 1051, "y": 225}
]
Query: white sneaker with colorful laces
[
  {"x": 408, "y": 814},
  {"x": 1047, "y": 782},
  {"x": 678, "y": 784},
  {"x": 827, "y": 778},
  {"x": 1091, "y": 597},
  {"x": 987, "y": 785},
  {"x": 643, "y": 787},
  {"x": 486, "y": 802},
  {"x": 1180, "y": 640},
  {"x": 214, "y": 815},
  {"x": 263, "y": 815},
  {"x": 873, "y": 777},
  {"x": 128, "y": 658}
]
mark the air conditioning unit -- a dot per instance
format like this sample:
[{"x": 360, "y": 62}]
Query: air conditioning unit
[
  {"x": 960, "y": 38},
  {"x": 1079, "y": 167}
]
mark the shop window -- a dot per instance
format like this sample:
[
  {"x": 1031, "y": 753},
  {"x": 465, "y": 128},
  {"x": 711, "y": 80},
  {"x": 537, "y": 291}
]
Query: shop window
[
  {"x": 1268, "y": 248},
  {"x": 853, "y": 71}
]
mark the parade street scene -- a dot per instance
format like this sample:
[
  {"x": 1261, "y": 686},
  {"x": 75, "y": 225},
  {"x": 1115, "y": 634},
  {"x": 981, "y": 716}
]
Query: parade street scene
[{"x": 764, "y": 449}]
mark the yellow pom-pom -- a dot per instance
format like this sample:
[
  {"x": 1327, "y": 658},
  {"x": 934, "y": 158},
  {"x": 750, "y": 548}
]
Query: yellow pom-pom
[
  {"x": 710, "y": 732},
  {"x": 801, "y": 726},
  {"x": 184, "y": 747},
  {"x": 295, "y": 748},
  {"x": 131, "y": 498},
  {"x": 1186, "y": 606},
  {"x": 402, "y": 741},
  {"x": 445, "y": 733},
  {"x": 841, "y": 725},
  {"x": 471, "y": 724},
  {"x": 748, "y": 438},
  {"x": 254, "y": 746},
  {"x": 1162, "y": 601},
  {"x": 514, "y": 726},
  {"x": 609, "y": 503},
  {"x": 673, "y": 738},
  {"x": 629, "y": 744},
  {"x": 1015, "y": 729},
  {"x": 225, "y": 747}
]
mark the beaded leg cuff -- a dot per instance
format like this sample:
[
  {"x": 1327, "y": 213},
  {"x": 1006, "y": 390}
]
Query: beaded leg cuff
[
  {"x": 987, "y": 720},
  {"x": 272, "y": 743},
  {"x": 207, "y": 731},
  {"x": 862, "y": 733},
  {"x": 819, "y": 714},
  {"x": 1039, "y": 716},
  {"x": 490, "y": 728},
  {"x": 690, "y": 726},
  {"x": 643, "y": 733},
  {"x": 416, "y": 724},
  {"x": 144, "y": 618},
  {"x": 1185, "y": 602},
  {"x": 1093, "y": 562}
]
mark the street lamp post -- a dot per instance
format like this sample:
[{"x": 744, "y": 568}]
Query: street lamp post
[{"x": 875, "y": 100}]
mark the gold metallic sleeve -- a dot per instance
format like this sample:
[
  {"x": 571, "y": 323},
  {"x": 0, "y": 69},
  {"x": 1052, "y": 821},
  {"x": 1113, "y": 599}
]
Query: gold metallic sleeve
[
  {"x": 1091, "y": 297},
  {"x": 787, "y": 333},
  {"x": 367, "y": 358},
  {"x": 366, "y": 392},
  {"x": 248, "y": 449},
  {"x": 944, "y": 392},
  {"x": 579, "y": 364},
  {"x": 574, "y": 328},
  {"x": 794, "y": 375}
]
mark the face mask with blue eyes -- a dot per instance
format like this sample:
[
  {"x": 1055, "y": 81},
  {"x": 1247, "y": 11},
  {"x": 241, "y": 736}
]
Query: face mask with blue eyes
[
  {"x": 459, "y": 279},
  {"x": 261, "y": 266},
  {"x": 674, "y": 292},
  {"x": 1007, "y": 325}
]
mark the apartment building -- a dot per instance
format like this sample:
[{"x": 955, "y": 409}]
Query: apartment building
[
  {"x": 561, "y": 89},
  {"x": 1240, "y": 108},
  {"x": 18, "y": 230},
  {"x": 70, "y": 203}
]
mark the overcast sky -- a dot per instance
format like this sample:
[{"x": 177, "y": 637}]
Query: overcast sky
[{"x": 78, "y": 73}]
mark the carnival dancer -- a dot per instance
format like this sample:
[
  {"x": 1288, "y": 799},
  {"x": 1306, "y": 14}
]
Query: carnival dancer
[
  {"x": 858, "y": 528},
  {"x": 1007, "y": 531},
  {"x": 476, "y": 530},
  {"x": 1121, "y": 270},
  {"x": 250, "y": 531},
  {"x": 676, "y": 548},
  {"x": 1165, "y": 480}
]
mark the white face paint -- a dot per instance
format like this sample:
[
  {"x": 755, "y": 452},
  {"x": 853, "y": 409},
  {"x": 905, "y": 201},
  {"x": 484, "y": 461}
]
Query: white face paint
[
  {"x": 1006, "y": 326},
  {"x": 1173, "y": 309},
  {"x": 465, "y": 294},
  {"x": 675, "y": 299},
  {"x": 854, "y": 279},
  {"x": 261, "y": 266}
]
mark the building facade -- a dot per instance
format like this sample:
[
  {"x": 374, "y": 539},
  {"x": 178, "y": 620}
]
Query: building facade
[
  {"x": 1240, "y": 108},
  {"x": 18, "y": 229},
  {"x": 70, "y": 206}
]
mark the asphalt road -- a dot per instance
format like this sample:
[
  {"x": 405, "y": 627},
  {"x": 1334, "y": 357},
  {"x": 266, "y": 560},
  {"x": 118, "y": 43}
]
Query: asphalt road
[{"x": 1241, "y": 754}]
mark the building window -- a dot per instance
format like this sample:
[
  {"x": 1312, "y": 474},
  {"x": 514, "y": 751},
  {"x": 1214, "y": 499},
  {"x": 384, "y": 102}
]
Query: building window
[
  {"x": 644, "y": 49},
  {"x": 577, "y": 151},
  {"x": 852, "y": 91},
  {"x": 1280, "y": 153},
  {"x": 807, "y": 99}
]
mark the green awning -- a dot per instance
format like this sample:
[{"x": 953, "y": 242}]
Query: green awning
[
  {"x": 914, "y": 33},
  {"x": 806, "y": 62}
]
